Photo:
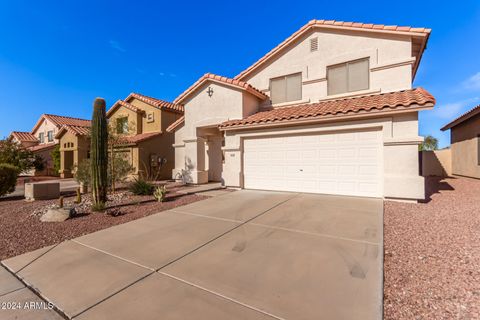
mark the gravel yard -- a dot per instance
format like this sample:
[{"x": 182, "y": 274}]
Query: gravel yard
[
  {"x": 21, "y": 230},
  {"x": 432, "y": 253}
]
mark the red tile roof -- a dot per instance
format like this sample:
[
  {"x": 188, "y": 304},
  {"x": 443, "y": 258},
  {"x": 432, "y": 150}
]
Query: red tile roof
[
  {"x": 24, "y": 136},
  {"x": 319, "y": 110},
  {"x": 157, "y": 103},
  {"x": 121, "y": 103},
  {"x": 41, "y": 147},
  {"x": 59, "y": 121},
  {"x": 467, "y": 115},
  {"x": 216, "y": 78},
  {"x": 332, "y": 24},
  {"x": 75, "y": 130},
  {"x": 138, "y": 138}
]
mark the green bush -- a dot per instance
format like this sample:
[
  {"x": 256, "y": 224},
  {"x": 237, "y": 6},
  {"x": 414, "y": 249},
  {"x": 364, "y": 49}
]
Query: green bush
[
  {"x": 8, "y": 178},
  {"x": 15, "y": 155},
  {"x": 55, "y": 154},
  {"x": 142, "y": 187}
]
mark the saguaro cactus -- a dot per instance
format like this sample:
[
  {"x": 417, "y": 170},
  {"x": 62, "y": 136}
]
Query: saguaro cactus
[{"x": 99, "y": 154}]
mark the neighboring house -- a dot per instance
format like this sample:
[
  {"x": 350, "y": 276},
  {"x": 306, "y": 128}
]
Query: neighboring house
[
  {"x": 465, "y": 143},
  {"x": 329, "y": 110},
  {"x": 139, "y": 124},
  {"x": 41, "y": 140}
]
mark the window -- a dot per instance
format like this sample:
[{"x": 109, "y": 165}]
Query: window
[
  {"x": 348, "y": 77},
  {"x": 41, "y": 137},
  {"x": 286, "y": 88},
  {"x": 50, "y": 136},
  {"x": 122, "y": 125}
]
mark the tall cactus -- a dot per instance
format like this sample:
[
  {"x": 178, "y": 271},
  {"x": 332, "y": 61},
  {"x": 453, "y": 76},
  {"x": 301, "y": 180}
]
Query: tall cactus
[{"x": 99, "y": 154}]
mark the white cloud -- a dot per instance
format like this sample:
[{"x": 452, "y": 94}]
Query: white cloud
[
  {"x": 115, "y": 45},
  {"x": 452, "y": 110},
  {"x": 162, "y": 73},
  {"x": 472, "y": 83}
]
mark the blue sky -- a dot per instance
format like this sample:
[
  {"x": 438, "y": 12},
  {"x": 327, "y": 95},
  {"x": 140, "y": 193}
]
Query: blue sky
[{"x": 57, "y": 56}]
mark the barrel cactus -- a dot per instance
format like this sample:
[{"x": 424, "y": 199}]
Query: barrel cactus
[{"x": 99, "y": 155}]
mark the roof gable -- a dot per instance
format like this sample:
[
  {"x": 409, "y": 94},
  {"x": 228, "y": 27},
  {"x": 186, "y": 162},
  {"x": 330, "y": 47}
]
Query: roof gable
[
  {"x": 126, "y": 105},
  {"x": 23, "y": 136},
  {"x": 59, "y": 121},
  {"x": 209, "y": 77},
  {"x": 415, "y": 33},
  {"x": 156, "y": 103}
]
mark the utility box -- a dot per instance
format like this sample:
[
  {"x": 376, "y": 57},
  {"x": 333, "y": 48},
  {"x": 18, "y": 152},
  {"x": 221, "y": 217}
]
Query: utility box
[{"x": 42, "y": 191}]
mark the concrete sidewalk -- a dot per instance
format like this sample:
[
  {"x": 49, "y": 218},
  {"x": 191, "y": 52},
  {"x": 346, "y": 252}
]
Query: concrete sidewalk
[{"x": 241, "y": 255}]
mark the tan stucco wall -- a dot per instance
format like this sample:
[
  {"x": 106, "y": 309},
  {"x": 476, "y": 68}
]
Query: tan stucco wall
[
  {"x": 437, "y": 163},
  {"x": 464, "y": 145},
  {"x": 390, "y": 59},
  {"x": 134, "y": 120},
  {"x": 80, "y": 148}
]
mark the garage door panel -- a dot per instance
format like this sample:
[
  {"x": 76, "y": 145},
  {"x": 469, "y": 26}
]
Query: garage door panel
[{"x": 347, "y": 163}]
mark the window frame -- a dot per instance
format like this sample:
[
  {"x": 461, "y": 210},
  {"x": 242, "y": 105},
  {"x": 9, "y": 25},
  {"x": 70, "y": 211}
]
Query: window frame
[
  {"x": 284, "y": 77},
  {"x": 50, "y": 136},
  {"x": 347, "y": 75},
  {"x": 41, "y": 137}
]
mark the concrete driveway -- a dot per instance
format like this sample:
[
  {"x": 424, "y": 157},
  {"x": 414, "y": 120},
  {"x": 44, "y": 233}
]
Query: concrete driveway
[{"x": 242, "y": 255}]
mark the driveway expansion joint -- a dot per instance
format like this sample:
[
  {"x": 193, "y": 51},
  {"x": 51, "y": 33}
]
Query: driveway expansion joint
[{"x": 220, "y": 295}]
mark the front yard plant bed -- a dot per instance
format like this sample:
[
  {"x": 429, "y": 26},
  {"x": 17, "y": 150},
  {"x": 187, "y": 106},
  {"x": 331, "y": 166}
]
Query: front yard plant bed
[{"x": 21, "y": 230}]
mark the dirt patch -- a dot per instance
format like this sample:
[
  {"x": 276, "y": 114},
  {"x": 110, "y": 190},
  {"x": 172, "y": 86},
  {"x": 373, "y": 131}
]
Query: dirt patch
[
  {"x": 432, "y": 253},
  {"x": 21, "y": 230}
]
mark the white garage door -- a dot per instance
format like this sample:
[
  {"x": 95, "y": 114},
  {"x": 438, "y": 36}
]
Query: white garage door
[{"x": 344, "y": 163}]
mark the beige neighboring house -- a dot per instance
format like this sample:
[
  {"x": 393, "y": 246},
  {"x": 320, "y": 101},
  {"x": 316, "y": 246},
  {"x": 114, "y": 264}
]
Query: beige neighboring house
[
  {"x": 42, "y": 139},
  {"x": 465, "y": 143},
  {"x": 329, "y": 110},
  {"x": 139, "y": 123}
]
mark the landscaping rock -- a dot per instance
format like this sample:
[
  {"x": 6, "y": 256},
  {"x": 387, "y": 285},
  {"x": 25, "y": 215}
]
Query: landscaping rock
[{"x": 57, "y": 214}]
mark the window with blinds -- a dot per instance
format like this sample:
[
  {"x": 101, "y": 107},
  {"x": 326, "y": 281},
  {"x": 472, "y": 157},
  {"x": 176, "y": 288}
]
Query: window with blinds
[
  {"x": 286, "y": 88},
  {"x": 348, "y": 77}
]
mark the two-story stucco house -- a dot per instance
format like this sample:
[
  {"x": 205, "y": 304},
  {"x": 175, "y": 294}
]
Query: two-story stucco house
[
  {"x": 139, "y": 124},
  {"x": 329, "y": 110},
  {"x": 42, "y": 139}
]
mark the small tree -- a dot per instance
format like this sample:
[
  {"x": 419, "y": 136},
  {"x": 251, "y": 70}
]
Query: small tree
[
  {"x": 14, "y": 154},
  {"x": 8, "y": 178},
  {"x": 99, "y": 154},
  {"x": 430, "y": 143},
  {"x": 55, "y": 154}
]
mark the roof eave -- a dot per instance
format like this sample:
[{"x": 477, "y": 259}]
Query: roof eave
[{"x": 461, "y": 119}]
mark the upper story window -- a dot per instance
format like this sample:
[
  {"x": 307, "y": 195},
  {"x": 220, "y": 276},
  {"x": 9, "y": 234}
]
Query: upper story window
[
  {"x": 286, "y": 88},
  {"x": 348, "y": 77},
  {"x": 50, "y": 136},
  {"x": 122, "y": 125},
  {"x": 41, "y": 137}
]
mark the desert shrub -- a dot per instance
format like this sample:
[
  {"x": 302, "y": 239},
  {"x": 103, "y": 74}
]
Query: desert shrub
[
  {"x": 38, "y": 162},
  {"x": 82, "y": 172},
  {"x": 14, "y": 154},
  {"x": 8, "y": 178},
  {"x": 122, "y": 170},
  {"x": 160, "y": 193},
  {"x": 100, "y": 206},
  {"x": 55, "y": 154},
  {"x": 141, "y": 187}
]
